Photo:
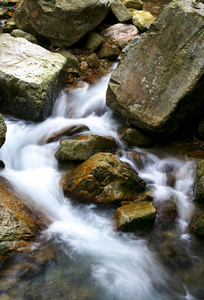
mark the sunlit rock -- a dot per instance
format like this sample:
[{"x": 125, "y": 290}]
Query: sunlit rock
[
  {"x": 135, "y": 216},
  {"x": 29, "y": 78},
  {"x": 104, "y": 179},
  {"x": 142, "y": 19},
  {"x": 62, "y": 23},
  {"x": 161, "y": 75},
  {"x": 83, "y": 147}
]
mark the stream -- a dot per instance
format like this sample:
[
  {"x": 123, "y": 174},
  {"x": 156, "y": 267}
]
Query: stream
[{"x": 91, "y": 260}]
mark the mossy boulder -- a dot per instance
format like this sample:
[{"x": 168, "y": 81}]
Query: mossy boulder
[
  {"x": 135, "y": 216},
  {"x": 30, "y": 78},
  {"x": 72, "y": 61},
  {"x": 134, "y": 137},
  {"x": 93, "y": 41},
  {"x": 136, "y": 4},
  {"x": 102, "y": 179},
  {"x": 200, "y": 181},
  {"x": 142, "y": 19},
  {"x": 83, "y": 147},
  {"x": 198, "y": 226},
  {"x": 20, "y": 33},
  {"x": 162, "y": 73},
  {"x": 3, "y": 129}
]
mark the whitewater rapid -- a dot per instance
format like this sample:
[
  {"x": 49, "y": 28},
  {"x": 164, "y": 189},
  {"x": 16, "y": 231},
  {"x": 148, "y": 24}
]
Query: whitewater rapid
[{"x": 121, "y": 264}]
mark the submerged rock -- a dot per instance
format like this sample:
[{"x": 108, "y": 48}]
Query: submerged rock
[
  {"x": 135, "y": 216},
  {"x": 102, "y": 179},
  {"x": 29, "y": 78},
  {"x": 83, "y": 147},
  {"x": 2, "y": 131},
  {"x": 65, "y": 132},
  {"x": 18, "y": 225},
  {"x": 161, "y": 74},
  {"x": 62, "y": 23}
]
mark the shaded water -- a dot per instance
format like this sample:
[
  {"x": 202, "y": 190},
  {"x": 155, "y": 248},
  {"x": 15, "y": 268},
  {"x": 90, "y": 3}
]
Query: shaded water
[{"x": 90, "y": 260}]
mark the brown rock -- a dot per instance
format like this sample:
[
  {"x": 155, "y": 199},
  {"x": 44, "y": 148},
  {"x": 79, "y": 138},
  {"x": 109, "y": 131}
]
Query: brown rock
[
  {"x": 135, "y": 216},
  {"x": 18, "y": 225},
  {"x": 104, "y": 179}
]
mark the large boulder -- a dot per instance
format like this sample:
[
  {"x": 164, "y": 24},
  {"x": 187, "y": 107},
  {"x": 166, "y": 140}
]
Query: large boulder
[
  {"x": 18, "y": 225},
  {"x": 158, "y": 85},
  {"x": 2, "y": 131},
  {"x": 83, "y": 147},
  {"x": 62, "y": 23},
  {"x": 29, "y": 78},
  {"x": 102, "y": 179}
]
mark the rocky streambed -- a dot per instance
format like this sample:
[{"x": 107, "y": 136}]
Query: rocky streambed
[{"x": 101, "y": 207}]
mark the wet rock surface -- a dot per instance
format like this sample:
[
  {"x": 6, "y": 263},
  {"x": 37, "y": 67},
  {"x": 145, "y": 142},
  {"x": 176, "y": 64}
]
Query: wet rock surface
[
  {"x": 135, "y": 216},
  {"x": 102, "y": 179},
  {"x": 83, "y": 147},
  {"x": 18, "y": 225}
]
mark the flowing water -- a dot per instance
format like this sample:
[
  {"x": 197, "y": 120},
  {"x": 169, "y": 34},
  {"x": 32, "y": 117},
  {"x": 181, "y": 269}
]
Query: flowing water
[{"x": 91, "y": 260}]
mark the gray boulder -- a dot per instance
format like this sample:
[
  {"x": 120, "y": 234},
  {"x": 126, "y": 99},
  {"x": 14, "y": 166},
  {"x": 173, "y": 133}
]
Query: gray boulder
[
  {"x": 120, "y": 11},
  {"x": 29, "y": 78},
  {"x": 62, "y": 23},
  {"x": 158, "y": 86}
]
